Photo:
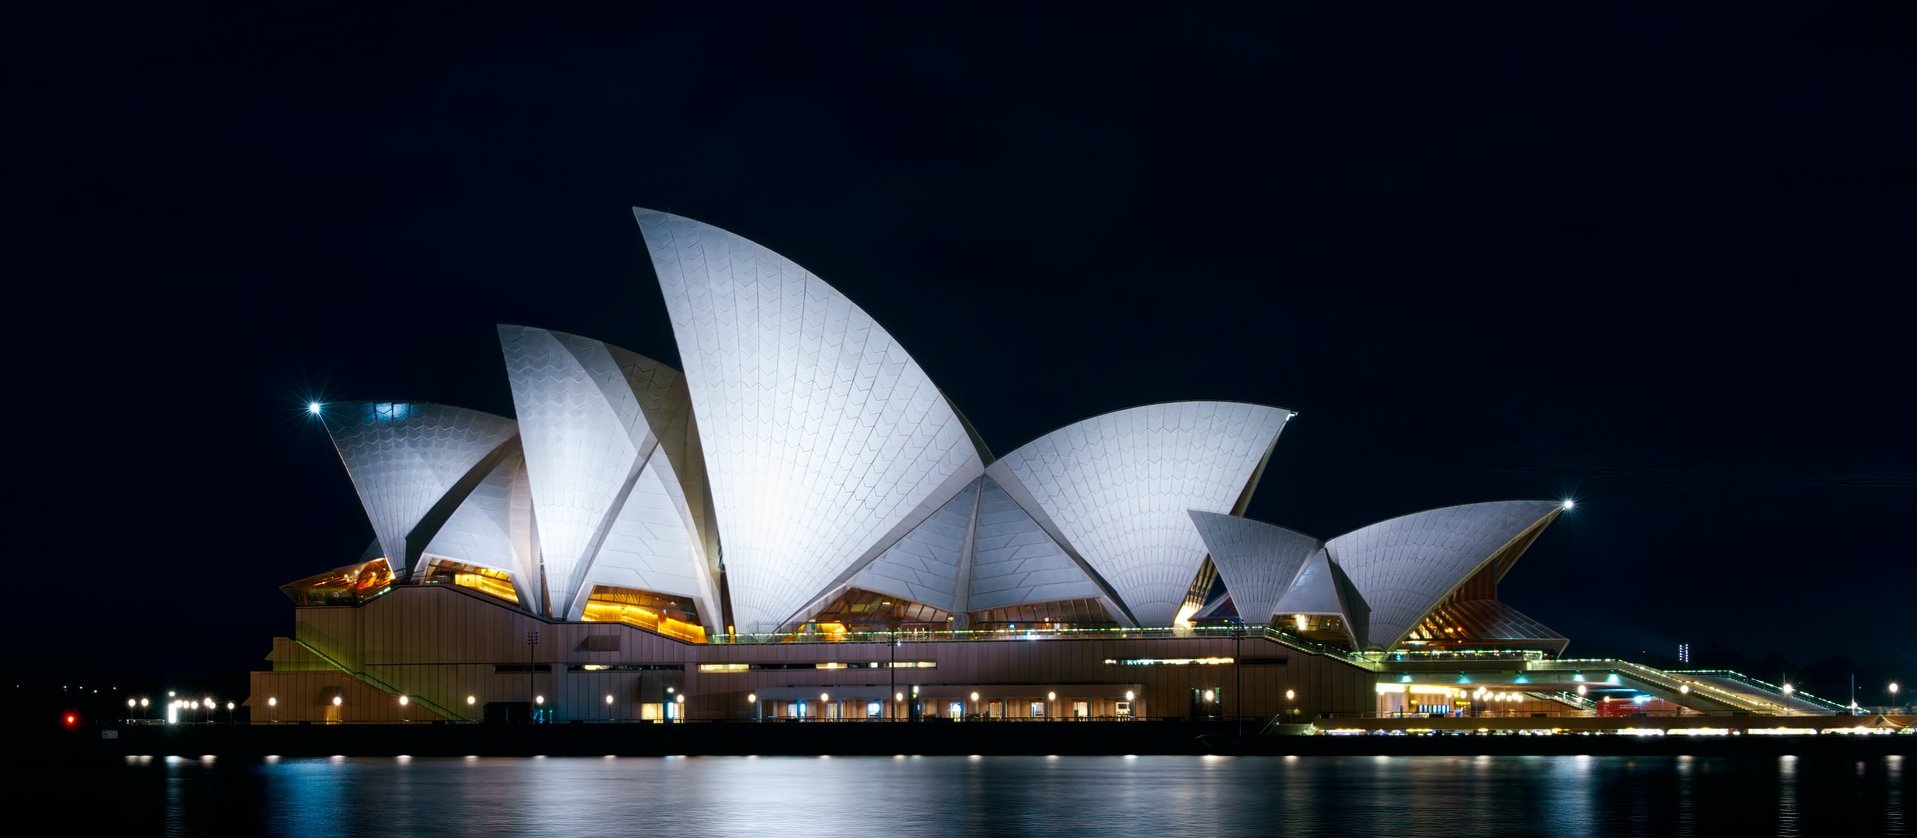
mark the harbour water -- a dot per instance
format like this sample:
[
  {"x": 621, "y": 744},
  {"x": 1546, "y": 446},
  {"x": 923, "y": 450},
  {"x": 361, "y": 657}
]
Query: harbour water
[{"x": 1212, "y": 796}]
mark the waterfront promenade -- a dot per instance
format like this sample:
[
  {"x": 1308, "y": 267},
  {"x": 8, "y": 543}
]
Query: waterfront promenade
[{"x": 1869, "y": 735}]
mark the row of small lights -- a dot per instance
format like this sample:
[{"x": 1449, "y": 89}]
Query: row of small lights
[{"x": 680, "y": 698}]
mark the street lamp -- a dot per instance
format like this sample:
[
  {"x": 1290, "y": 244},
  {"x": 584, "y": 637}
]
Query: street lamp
[
  {"x": 229, "y": 712},
  {"x": 470, "y": 701},
  {"x": 681, "y": 700},
  {"x": 272, "y": 708},
  {"x": 1893, "y": 695},
  {"x": 1788, "y": 689},
  {"x": 609, "y": 707},
  {"x": 405, "y": 715},
  {"x": 338, "y": 714},
  {"x": 532, "y": 642},
  {"x": 1238, "y": 675},
  {"x": 1050, "y": 698},
  {"x": 974, "y": 703},
  {"x": 753, "y": 700}
]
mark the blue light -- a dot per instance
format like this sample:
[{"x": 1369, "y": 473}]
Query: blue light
[{"x": 392, "y": 411}]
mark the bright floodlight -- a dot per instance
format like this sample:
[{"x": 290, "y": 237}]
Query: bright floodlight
[
  {"x": 313, "y": 408},
  {"x": 1568, "y": 503}
]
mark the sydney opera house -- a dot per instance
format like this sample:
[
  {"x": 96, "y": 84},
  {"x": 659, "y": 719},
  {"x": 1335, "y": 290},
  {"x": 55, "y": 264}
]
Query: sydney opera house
[{"x": 799, "y": 525}]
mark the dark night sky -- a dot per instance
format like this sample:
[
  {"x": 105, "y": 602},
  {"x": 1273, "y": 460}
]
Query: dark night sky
[{"x": 1486, "y": 251}]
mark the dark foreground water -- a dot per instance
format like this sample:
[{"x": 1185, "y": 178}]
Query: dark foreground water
[{"x": 1455, "y": 797}]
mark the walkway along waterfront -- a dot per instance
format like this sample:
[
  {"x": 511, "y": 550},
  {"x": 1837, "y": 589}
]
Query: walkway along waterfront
[{"x": 1866, "y": 736}]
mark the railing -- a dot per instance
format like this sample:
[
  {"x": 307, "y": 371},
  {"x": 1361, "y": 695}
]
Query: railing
[
  {"x": 375, "y": 681},
  {"x": 1768, "y": 687},
  {"x": 1665, "y": 680}
]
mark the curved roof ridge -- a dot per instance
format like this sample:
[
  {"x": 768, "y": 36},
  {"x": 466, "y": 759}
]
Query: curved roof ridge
[
  {"x": 405, "y": 457},
  {"x": 1405, "y": 566},
  {"x": 1257, "y": 560},
  {"x": 773, "y": 355},
  {"x": 1289, "y": 414},
  {"x": 1120, "y": 486}
]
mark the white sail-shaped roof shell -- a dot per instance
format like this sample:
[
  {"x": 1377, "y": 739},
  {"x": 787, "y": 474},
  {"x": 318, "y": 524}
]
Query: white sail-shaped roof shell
[
  {"x": 481, "y": 531},
  {"x": 822, "y": 437},
  {"x": 1016, "y": 562},
  {"x": 404, "y": 457},
  {"x": 592, "y": 417},
  {"x": 1405, "y": 566},
  {"x": 1322, "y": 588},
  {"x": 1258, "y": 561},
  {"x": 926, "y": 565},
  {"x": 1118, "y": 490}
]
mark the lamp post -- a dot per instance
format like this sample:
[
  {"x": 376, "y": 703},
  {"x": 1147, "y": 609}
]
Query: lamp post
[
  {"x": 1788, "y": 689},
  {"x": 680, "y": 699},
  {"x": 273, "y": 709},
  {"x": 339, "y": 715},
  {"x": 1238, "y": 675},
  {"x": 609, "y": 707},
  {"x": 470, "y": 701},
  {"x": 532, "y": 642},
  {"x": 405, "y": 715},
  {"x": 753, "y": 700}
]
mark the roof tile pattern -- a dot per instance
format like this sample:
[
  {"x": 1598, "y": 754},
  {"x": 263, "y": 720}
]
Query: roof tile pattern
[
  {"x": 587, "y": 414},
  {"x": 1258, "y": 561},
  {"x": 1406, "y": 565},
  {"x": 820, "y": 433},
  {"x": 1120, "y": 489},
  {"x": 924, "y": 566},
  {"x": 404, "y": 456},
  {"x": 1015, "y": 562}
]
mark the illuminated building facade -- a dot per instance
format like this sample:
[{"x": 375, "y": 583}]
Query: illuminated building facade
[{"x": 799, "y": 524}]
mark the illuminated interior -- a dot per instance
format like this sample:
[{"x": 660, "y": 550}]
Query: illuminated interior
[
  {"x": 672, "y": 616},
  {"x": 350, "y": 585},
  {"x": 493, "y": 583},
  {"x": 1084, "y": 612},
  {"x": 860, "y": 610},
  {"x": 1328, "y": 629},
  {"x": 1482, "y": 623}
]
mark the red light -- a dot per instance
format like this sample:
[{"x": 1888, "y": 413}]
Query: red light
[{"x": 72, "y": 719}]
